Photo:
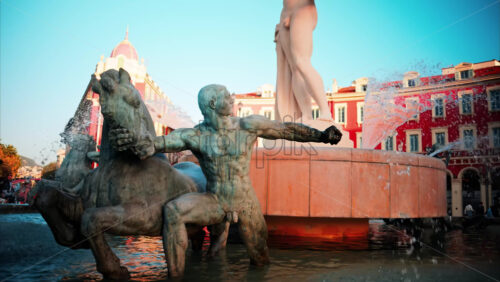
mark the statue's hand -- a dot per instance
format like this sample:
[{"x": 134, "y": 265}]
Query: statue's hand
[
  {"x": 331, "y": 135},
  {"x": 145, "y": 147},
  {"x": 121, "y": 139}
]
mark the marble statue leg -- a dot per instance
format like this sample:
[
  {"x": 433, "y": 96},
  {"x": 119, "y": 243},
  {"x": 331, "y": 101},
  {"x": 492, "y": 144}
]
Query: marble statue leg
[
  {"x": 193, "y": 208},
  {"x": 253, "y": 232},
  {"x": 286, "y": 104},
  {"x": 300, "y": 95},
  {"x": 124, "y": 219},
  {"x": 301, "y": 35}
]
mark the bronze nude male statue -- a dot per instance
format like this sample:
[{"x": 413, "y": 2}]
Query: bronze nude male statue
[{"x": 223, "y": 145}]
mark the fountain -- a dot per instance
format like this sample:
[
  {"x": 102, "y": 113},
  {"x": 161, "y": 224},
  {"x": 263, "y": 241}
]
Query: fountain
[
  {"x": 330, "y": 193},
  {"x": 293, "y": 188}
]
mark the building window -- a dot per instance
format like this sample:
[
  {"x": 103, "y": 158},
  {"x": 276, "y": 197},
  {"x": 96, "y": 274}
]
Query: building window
[
  {"x": 361, "y": 112},
  {"x": 359, "y": 139},
  {"x": 496, "y": 137},
  {"x": 464, "y": 74},
  {"x": 414, "y": 140},
  {"x": 468, "y": 136},
  {"x": 413, "y": 143},
  {"x": 438, "y": 107},
  {"x": 494, "y": 134},
  {"x": 341, "y": 113},
  {"x": 495, "y": 100},
  {"x": 411, "y": 82},
  {"x": 389, "y": 143},
  {"x": 245, "y": 111},
  {"x": 412, "y": 106},
  {"x": 315, "y": 113},
  {"x": 466, "y": 104},
  {"x": 268, "y": 114},
  {"x": 468, "y": 139},
  {"x": 364, "y": 87},
  {"x": 440, "y": 138}
]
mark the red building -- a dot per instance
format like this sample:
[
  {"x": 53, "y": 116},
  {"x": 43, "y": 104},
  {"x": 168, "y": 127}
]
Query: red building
[{"x": 458, "y": 110}]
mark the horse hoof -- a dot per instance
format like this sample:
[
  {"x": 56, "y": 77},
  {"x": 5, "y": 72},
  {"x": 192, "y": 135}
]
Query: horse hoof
[{"x": 121, "y": 275}]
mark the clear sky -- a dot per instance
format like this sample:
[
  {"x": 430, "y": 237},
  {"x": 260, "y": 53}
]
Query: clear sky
[{"x": 49, "y": 49}]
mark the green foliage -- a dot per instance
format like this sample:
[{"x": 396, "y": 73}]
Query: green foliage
[
  {"x": 49, "y": 171},
  {"x": 10, "y": 161}
]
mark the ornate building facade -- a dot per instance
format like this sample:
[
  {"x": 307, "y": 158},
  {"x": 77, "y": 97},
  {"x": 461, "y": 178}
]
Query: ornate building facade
[
  {"x": 88, "y": 118},
  {"x": 457, "y": 111}
]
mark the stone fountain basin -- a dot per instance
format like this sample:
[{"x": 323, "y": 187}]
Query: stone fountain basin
[{"x": 344, "y": 183}]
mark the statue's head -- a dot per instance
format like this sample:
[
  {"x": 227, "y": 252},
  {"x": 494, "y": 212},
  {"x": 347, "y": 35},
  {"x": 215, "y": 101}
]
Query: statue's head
[{"x": 215, "y": 98}]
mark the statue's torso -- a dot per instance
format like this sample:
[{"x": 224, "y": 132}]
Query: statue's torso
[{"x": 224, "y": 157}]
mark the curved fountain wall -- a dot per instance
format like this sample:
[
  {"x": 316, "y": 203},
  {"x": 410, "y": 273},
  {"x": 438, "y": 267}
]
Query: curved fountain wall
[{"x": 348, "y": 183}]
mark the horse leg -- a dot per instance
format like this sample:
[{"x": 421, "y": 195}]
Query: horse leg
[
  {"x": 62, "y": 212},
  {"x": 218, "y": 237},
  {"x": 125, "y": 219}
]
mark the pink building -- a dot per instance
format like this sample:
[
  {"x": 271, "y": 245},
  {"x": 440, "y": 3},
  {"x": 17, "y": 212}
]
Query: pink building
[{"x": 88, "y": 118}]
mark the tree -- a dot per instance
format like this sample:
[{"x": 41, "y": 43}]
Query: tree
[
  {"x": 10, "y": 161},
  {"x": 49, "y": 171}
]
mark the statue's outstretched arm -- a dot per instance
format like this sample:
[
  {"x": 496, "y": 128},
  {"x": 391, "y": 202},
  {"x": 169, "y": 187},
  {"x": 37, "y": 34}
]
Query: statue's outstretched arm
[
  {"x": 176, "y": 141},
  {"x": 122, "y": 139},
  {"x": 269, "y": 129}
]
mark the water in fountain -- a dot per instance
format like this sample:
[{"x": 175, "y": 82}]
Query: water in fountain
[{"x": 446, "y": 148}]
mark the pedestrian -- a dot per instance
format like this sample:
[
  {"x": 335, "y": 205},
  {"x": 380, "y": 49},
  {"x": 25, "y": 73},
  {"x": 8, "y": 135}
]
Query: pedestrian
[{"x": 469, "y": 211}]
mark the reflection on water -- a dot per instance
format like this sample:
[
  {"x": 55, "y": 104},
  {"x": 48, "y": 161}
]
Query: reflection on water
[{"x": 29, "y": 252}]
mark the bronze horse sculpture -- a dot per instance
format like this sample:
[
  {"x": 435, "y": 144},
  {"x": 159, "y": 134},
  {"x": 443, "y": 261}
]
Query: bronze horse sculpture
[{"x": 124, "y": 195}]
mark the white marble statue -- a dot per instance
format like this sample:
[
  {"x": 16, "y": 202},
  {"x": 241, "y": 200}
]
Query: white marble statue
[{"x": 297, "y": 80}]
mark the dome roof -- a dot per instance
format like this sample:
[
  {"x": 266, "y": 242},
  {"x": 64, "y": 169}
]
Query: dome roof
[{"x": 126, "y": 49}]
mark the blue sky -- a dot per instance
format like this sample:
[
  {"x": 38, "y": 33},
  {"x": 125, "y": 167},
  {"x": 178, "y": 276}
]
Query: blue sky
[{"x": 49, "y": 49}]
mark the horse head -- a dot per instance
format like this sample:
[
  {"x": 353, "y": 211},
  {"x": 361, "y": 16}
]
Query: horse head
[{"x": 121, "y": 107}]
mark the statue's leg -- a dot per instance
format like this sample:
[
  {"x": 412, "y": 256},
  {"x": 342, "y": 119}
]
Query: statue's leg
[
  {"x": 62, "y": 212},
  {"x": 195, "y": 208},
  {"x": 253, "y": 231},
  {"x": 124, "y": 219},
  {"x": 286, "y": 104},
  {"x": 218, "y": 237},
  {"x": 299, "y": 94},
  {"x": 302, "y": 25}
]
